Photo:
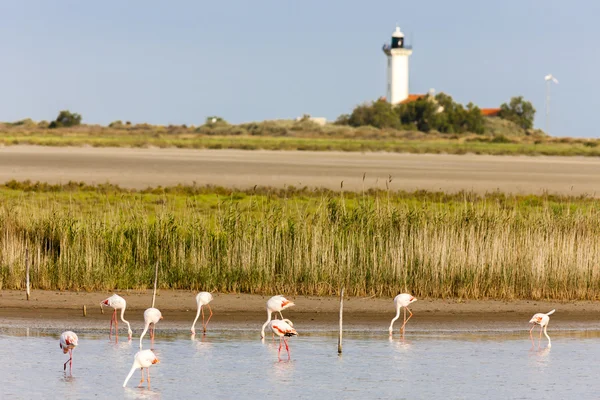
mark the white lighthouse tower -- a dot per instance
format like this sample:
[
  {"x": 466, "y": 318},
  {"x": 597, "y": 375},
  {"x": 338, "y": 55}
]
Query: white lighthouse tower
[{"x": 397, "y": 67}]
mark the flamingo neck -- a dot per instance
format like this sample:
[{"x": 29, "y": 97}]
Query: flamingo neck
[
  {"x": 133, "y": 368},
  {"x": 144, "y": 332},
  {"x": 395, "y": 318},
  {"x": 262, "y": 332},
  {"x": 124, "y": 320},
  {"x": 196, "y": 319},
  {"x": 548, "y": 337}
]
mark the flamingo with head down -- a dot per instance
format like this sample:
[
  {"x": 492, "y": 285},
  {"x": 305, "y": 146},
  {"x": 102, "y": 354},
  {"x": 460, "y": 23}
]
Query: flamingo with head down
[
  {"x": 151, "y": 316},
  {"x": 402, "y": 300},
  {"x": 542, "y": 320},
  {"x": 283, "y": 329},
  {"x": 117, "y": 302},
  {"x": 275, "y": 304},
  {"x": 68, "y": 342},
  {"x": 143, "y": 359},
  {"x": 202, "y": 299}
]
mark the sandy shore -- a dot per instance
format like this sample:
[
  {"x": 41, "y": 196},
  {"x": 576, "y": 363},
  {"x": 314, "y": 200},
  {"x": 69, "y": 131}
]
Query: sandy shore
[
  {"x": 141, "y": 168},
  {"x": 53, "y": 308}
]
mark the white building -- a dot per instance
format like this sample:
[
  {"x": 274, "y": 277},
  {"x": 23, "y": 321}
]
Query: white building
[{"x": 397, "y": 68}]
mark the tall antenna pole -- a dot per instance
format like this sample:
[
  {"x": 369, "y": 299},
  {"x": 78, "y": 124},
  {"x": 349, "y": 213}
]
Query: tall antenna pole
[{"x": 548, "y": 82}]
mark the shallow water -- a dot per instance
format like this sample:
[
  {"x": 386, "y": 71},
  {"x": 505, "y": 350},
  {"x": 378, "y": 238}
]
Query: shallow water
[{"x": 236, "y": 364}]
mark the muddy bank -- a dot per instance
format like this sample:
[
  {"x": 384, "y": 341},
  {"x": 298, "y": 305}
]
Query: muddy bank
[
  {"x": 53, "y": 309},
  {"x": 141, "y": 168}
]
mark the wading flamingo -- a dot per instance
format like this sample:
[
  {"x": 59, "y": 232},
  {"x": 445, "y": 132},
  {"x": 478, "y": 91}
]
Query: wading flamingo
[
  {"x": 402, "y": 300},
  {"x": 542, "y": 320},
  {"x": 275, "y": 304},
  {"x": 283, "y": 329},
  {"x": 151, "y": 316},
  {"x": 117, "y": 302},
  {"x": 143, "y": 359},
  {"x": 68, "y": 341},
  {"x": 202, "y": 299}
]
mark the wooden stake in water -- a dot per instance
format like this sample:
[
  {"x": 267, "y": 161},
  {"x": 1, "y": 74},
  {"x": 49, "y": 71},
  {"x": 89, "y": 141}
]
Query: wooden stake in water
[
  {"x": 341, "y": 319},
  {"x": 84, "y": 311},
  {"x": 155, "y": 279},
  {"x": 27, "y": 271}
]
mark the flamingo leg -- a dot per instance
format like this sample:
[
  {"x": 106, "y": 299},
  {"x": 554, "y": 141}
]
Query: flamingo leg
[
  {"x": 279, "y": 351},
  {"x": 71, "y": 360},
  {"x": 404, "y": 322},
  {"x": 116, "y": 326},
  {"x": 406, "y": 319},
  {"x": 211, "y": 314},
  {"x": 280, "y": 315},
  {"x": 111, "y": 323},
  {"x": 287, "y": 348},
  {"x": 531, "y": 337},
  {"x": 203, "y": 326},
  {"x": 540, "y": 341},
  {"x": 142, "y": 380},
  {"x": 148, "y": 375}
]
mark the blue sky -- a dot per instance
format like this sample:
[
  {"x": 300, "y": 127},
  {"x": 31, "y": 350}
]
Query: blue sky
[{"x": 179, "y": 61}]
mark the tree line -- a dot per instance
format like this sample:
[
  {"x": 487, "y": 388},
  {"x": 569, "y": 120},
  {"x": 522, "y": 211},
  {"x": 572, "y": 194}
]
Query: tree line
[
  {"x": 435, "y": 113},
  {"x": 428, "y": 113}
]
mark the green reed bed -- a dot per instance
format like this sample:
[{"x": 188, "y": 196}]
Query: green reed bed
[{"x": 298, "y": 241}]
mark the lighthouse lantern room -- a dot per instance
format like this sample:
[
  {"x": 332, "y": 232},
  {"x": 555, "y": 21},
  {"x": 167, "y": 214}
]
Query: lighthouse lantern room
[{"x": 397, "y": 67}]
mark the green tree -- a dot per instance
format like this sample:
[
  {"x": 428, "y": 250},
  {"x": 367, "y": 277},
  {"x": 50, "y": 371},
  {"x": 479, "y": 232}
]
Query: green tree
[
  {"x": 214, "y": 120},
  {"x": 440, "y": 113},
  {"x": 65, "y": 119},
  {"x": 421, "y": 112},
  {"x": 379, "y": 114},
  {"x": 518, "y": 111}
]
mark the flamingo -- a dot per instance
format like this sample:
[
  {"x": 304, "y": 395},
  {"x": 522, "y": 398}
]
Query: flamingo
[
  {"x": 283, "y": 329},
  {"x": 68, "y": 341},
  {"x": 402, "y": 300},
  {"x": 151, "y": 316},
  {"x": 143, "y": 359},
  {"x": 542, "y": 320},
  {"x": 275, "y": 304},
  {"x": 117, "y": 302},
  {"x": 202, "y": 299}
]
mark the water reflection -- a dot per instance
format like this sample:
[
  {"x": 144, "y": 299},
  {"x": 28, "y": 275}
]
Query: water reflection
[
  {"x": 234, "y": 364},
  {"x": 540, "y": 357},
  {"x": 141, "y": 393},
  {"x": 401, "y": 344},
  {"x": 283, "y": 370}
]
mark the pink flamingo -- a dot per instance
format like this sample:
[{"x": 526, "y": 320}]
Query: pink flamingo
[
  {"x": 143, "y": 359},
  {"x": 68, "y": 341},
  {"x": 275, "y": 304},
  {"x": 402, "y": 300},
  {"x": 202, "y": 299},
  {"x": 151, "y": 316},
  {"x": 117, "y": 302},
  {"x": 283, "y": 329},
  {"x": 542, "y": 320}
]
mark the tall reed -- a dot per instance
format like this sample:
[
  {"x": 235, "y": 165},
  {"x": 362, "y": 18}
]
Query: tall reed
[{"x": 376, "y": 244}]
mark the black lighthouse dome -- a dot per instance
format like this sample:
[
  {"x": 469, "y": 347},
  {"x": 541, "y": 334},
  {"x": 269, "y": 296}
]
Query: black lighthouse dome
[{"x": 397, "y": 39}]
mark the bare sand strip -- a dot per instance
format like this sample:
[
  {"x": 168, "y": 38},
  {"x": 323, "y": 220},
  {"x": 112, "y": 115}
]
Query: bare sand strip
[
  {"x": 141, "y": 168},
  {"x": 48, "y": 309}
]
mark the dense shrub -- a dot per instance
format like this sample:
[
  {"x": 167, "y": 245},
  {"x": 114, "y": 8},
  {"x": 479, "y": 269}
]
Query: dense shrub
[
  {"x": 439, "y": 113},
  {"x": 65, "y": 119},
  {"x": 518, "y": 111}
]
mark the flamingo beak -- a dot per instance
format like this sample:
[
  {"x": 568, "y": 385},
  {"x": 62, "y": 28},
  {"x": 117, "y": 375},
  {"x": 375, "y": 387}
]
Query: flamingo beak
[{"x": 156, "y": 361}]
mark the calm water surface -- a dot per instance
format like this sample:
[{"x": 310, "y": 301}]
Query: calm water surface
[{"x": 236, "y": 364}]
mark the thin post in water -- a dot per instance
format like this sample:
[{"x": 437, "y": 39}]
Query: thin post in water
[
  {"x": 84, "y": 311},
  {"x": 155, "y": 279},
  {"x": 341, "y": 320},
  {"x": 27, "y": 272}
]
